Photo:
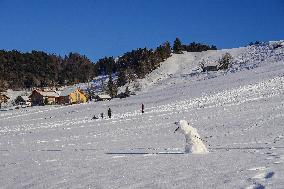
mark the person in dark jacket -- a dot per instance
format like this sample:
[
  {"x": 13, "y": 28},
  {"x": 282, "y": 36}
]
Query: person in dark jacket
[
  {"x": 142, "y": 108},
  {"x": 109, "y": 113},
  {"x": 95, "y": 117},
  {"x": 102, "y": 115}
]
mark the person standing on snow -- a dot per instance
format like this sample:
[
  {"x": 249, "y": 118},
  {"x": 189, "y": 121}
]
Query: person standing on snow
[
  {"x": 109, "y": 112},
  {"x": 142, "y": 108}
]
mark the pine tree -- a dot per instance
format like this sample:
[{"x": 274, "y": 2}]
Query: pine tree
[
  {"x": 112, "y": 89},
  {"x": 213, "y": 47},
  {"x": 121, "y": 80},
  {"x": 130, "y": 75},
  {"x": 2, "y": 89},
  {"x": 167, "y": 49},
  {"x": 2, "y": 86},
  {"x": 177, "y": 47},
  {"x": 142, "y": 69}
]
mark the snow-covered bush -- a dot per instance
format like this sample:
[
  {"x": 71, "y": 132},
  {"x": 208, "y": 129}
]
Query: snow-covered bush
[
  {"x": 137, "y": 86},
  {"x": 224, "y": 62}
]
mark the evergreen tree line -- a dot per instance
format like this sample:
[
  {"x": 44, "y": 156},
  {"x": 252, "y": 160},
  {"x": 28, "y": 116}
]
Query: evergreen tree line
[
  {"x": 138, "y": 63},
  {"x": 178, "y": 47},
  {"x": 39, "y": 69}
]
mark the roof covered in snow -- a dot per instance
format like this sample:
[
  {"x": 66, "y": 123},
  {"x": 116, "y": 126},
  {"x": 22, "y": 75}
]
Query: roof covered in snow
[
  {"x": 67, "y": 91},
  {"x": 48, "y": 93},
  {"x": 25, "y": 98},
  {"x": 104, "y": 96}
]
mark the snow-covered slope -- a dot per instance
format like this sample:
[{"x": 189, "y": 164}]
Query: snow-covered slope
[
  {"x": 185, "y": 68},
  {"x": 239, "y": 113}
]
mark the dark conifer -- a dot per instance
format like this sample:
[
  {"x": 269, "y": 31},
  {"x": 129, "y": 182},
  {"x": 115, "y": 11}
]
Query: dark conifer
[
  {"x": 121, "y": 78},
  {"x": 112, "y": 89},
  {"x": 177, "y": 47}
]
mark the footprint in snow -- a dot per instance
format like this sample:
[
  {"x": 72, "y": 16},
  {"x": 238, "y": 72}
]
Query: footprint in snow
[
  {"x": 256, "y": 186},
  {"x": 269, "y": 175},
  {"x": 115, "y": 157},
  {"x": 256, "y": 168},
  {"x": 264, "y": 176},
  {"x": 278, "y": 162},
  {"x": 272, "y": 156},
  {"x": 261, "y": 176}
]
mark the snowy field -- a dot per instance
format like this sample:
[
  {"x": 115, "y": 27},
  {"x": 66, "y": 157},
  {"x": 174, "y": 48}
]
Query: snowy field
[{"x": 239, "y": 113}]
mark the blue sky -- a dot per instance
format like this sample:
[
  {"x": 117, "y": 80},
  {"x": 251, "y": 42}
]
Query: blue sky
[{"x": 98, "y": 28}]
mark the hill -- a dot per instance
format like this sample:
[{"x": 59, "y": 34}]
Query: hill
[
  {"x": 238, "y": 112},
  {"x": 20, "y": 70}
]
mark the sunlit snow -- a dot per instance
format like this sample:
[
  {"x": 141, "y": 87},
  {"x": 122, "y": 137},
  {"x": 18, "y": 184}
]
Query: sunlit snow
[{"x": 239, "y": 114}]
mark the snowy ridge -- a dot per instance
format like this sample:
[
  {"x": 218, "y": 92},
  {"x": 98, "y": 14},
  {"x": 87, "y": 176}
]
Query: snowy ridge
[
  {"x": 254, "y": 55},
  {"x": 186, "y": 67}
]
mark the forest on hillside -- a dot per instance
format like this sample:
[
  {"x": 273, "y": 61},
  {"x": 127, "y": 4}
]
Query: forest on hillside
[{"x": 20, "y": 70}]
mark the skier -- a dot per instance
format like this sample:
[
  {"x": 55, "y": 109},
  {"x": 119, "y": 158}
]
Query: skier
[
  {"x": 109, "y": 112},
  {"x": 142, "y": 108},
  {"x": 102, "y": 115}
]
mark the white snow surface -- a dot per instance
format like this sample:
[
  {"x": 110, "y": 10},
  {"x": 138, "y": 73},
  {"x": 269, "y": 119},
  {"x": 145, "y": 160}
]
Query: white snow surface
[{"x": 239, "y": 113}]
